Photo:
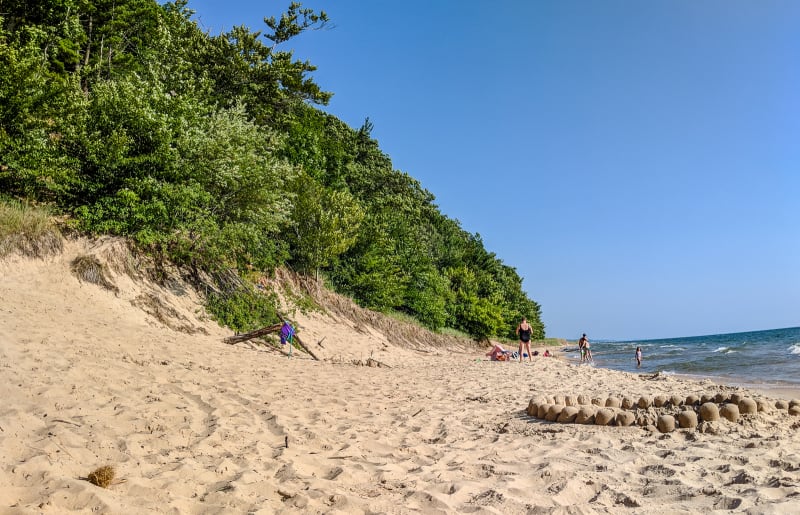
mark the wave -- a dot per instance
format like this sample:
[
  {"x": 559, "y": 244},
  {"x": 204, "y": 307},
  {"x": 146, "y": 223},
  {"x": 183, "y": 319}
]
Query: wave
[
  {"x": 722, "y": 349},
  {"x": 794, "y": 349}
]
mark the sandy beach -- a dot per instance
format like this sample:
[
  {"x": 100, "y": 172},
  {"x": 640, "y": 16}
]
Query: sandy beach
[{"x": 140, "y": 379}]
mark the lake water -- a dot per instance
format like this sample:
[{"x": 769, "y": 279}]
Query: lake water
[{"x": 756, "y": 358}]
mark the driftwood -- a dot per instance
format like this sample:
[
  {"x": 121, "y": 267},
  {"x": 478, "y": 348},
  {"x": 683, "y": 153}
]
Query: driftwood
[
  {"x": 230, "y": 340},
  {"x": 237, "y": 338}
]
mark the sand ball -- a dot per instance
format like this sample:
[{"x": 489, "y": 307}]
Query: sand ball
[
  {"x": 533, "y": 408},
  {"x": 794, "y": 411},
  {"x": 625, "y": 418},
  {"x": 736, "y": 397},
  {"x": 721, "y": 398},
  {"x": 706, "y": 397},
  {"x": 709, "y": 412},
  {"x": 666, "y": 423},
  {"x": 794, "y": 402},
  {"x": 687, "y": 419},
  {"x": 659, "y": 401},
  {"x": 613, "y": 402},
  {"x": 675, "y": 400},
  {"x": 553, "y": 412},
  {"x": 764, "y": 406},
  {"x": 596, "y": 401},
  {"x": 730, "y": 412},
  {"x": 585, "y": 415},
  {"x": 644, "y": 402},
  {"x": 584, "y": 400},
  {"x": 604, "y": 417},
  {"x": 692, "y": 400},
  {"x": 747, "y": 406},
  {"x": 781, "y": 404},
  {"x": 627, "y": 403},
  {"x": 568, "y": 415},
  {"x": 549, "y": 400},
  {"x": 541, "y": 412},
  {"x": 569, "y": 400},
  {"x": 559, "y": 399}
]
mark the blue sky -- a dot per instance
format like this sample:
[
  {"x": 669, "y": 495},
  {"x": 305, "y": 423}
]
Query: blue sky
[{"x": 636, "y": 162}]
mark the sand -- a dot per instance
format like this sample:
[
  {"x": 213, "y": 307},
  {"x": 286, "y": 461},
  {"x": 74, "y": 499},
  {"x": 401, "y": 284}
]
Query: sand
[{"x": 190, "y": 424}]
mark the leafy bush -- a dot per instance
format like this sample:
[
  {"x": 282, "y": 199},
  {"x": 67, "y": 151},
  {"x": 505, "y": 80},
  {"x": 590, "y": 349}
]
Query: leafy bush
[{"x": 243, "y": 310}]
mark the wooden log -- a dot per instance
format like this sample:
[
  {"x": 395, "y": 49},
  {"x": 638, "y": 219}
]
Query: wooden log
[{"x": 237, "y": 338}]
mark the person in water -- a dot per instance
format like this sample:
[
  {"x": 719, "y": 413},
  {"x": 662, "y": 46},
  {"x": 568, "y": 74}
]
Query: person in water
[
  {"x": 524, "y": 331},
  {"x": 638, "y": 357}
]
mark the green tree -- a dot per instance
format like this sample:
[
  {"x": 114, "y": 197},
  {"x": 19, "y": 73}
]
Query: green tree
[{"x": 325, "y": 224}]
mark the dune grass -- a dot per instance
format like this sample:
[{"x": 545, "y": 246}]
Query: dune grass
[{"x": 28, "y": 230}]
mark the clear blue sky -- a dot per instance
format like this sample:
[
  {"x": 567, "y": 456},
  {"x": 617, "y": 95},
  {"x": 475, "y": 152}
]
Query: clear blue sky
[{"x": 636, "y": 162}]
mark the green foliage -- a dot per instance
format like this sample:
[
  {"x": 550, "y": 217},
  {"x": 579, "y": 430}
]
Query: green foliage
[
  {"x": 243, "y": 310},
  {"x": 325, "y": 223},
  {"x": 208, "y": 151}
]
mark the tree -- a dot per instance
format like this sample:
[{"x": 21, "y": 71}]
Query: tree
[{"x": 325, "y": 224}]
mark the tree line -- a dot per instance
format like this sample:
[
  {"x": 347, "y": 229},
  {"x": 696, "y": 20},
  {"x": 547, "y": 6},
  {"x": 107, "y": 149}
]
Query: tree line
[{"x": 212, "y": 152}]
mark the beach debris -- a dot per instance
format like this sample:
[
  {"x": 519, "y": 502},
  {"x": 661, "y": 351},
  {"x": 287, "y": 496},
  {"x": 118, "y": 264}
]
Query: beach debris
[{"x": 102, "y": 476}]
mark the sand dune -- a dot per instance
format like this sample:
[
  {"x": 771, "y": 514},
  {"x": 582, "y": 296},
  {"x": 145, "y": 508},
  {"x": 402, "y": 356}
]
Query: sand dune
[{"x": 89, "y": 377}]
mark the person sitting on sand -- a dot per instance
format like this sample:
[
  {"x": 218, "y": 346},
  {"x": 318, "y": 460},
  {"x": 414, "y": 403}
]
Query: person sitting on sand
[
  {"x": 547, "y": 353},
  {"x": 497, "y": 353},
  {"x": 524, "y": 331}
]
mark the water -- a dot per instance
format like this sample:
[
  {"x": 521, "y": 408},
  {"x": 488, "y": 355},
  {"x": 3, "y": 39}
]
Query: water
[{"x": 754, "y": 358}]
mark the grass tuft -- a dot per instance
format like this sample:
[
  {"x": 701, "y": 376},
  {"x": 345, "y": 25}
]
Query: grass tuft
[
  {"x": 89, "y": 269},
  {"x": 28, "y": 231}
]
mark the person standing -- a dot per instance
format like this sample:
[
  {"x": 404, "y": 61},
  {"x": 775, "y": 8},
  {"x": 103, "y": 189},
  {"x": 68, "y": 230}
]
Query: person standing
[
  {"x": 524, "y": 331},
  {"x": 582, "y": 347},
  {"x": 638, "y": 357},
  {"x": 586, "y": 349}
]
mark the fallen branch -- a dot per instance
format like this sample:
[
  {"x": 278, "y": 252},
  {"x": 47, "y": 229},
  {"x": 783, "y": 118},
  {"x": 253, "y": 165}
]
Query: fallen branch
[{"x": 237, "y": 338}]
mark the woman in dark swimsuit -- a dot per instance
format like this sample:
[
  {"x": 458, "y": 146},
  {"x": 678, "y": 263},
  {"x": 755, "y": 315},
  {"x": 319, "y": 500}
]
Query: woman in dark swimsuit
[{"x": 524, "y": 331}]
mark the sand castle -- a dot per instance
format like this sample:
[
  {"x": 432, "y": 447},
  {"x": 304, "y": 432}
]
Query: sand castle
[{"x": 661, "y": 412}]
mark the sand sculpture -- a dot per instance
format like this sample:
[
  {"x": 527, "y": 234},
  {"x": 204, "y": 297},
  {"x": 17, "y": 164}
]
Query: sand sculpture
[{"x": 663, "y": 413}]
